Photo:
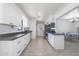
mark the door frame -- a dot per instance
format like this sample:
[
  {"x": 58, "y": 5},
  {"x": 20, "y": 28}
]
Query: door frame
[{"x": 38, "y": 22}]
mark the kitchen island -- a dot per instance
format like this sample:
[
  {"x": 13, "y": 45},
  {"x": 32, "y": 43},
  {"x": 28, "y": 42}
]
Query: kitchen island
[
  {"x": 56, "y": 40},
  {"x": 12, "y": 44}
]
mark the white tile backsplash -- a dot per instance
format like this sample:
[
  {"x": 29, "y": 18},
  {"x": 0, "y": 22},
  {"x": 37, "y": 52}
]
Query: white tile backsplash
[{"x": 6, "y": 29}]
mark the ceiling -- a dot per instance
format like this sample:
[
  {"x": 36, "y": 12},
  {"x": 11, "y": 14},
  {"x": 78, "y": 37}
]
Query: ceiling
[
  {"x": 41, "y": 11},
  {"x": 74, "y": 13}
]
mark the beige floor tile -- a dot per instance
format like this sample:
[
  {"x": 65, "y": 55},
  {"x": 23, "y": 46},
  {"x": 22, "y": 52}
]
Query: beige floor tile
[{"x": 41, "y": 47}]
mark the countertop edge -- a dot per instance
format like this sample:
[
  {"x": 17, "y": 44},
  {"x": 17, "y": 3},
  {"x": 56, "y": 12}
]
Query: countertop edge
[
  {"x": 24, "y": 33},
  {"x": 57, "y": 33}
]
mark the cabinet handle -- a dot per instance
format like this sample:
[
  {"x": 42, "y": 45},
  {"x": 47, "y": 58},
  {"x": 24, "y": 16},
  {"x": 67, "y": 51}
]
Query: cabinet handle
[
  {"x": 19, "y": 42},
  {"x": 18, "y": 51}
]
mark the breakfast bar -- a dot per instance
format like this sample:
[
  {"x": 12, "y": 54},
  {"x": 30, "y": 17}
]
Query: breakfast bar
[{"x": 56, "y": 40}]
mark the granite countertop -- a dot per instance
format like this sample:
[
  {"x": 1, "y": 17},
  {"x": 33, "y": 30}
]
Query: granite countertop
[
  {"x": 59, "y": 34},
  {"x": 13, "y": 36},
  {"x": 56, "y": 33}
]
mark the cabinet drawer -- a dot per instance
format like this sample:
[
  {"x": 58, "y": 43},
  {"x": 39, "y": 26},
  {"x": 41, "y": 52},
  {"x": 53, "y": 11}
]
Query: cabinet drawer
[
  {"x": 21, "y": 43},
  {"x": 28, "y": 35},
  {"x": 18, "y": 41},
  {"x": 20, "y": 48},
  {"x": 18, "y": 52}
]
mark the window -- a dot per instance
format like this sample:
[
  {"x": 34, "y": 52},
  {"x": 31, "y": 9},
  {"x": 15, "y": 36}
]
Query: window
[{"x": 25, "y": 21}]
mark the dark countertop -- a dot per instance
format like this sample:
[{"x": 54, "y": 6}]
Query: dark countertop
[
  {"x": 59, "y": 34},
  {"x": 13, "y": 36},
  {"x": 56, "y": 33}
]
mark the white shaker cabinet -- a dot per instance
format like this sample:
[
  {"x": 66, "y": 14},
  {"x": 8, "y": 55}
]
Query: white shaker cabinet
[
  {"x": 56, "y": 41},
  {"x": 51, "y": 39},
  {"x": 14, "y": 47}
]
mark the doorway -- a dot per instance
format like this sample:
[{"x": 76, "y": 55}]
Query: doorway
[{"x": 39, "y": 29}]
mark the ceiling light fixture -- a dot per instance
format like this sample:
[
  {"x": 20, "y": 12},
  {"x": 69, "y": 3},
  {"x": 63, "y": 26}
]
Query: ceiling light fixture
[{"x": 76, "y": 19}]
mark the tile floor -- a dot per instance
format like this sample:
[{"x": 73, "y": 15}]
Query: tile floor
[{"x": 41, "y": 47}]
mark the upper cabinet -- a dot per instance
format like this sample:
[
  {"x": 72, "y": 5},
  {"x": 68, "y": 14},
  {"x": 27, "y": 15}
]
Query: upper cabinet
[
  {"x": 1, "y": 12},
  {"x": 12, "y": 15}
]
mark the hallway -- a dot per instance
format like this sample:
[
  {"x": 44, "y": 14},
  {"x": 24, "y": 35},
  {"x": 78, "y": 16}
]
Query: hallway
[{"x": 40, "y": 47}]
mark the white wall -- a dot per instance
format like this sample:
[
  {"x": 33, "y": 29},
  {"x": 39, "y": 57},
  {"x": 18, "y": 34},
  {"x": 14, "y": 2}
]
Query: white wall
[
  {"x": 63, "y": 26},
  {"x": 76, "y": 25},
  {"x": 69, "y": 16}
]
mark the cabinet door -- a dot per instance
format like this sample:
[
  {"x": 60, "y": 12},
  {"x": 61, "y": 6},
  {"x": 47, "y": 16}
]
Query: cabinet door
[
  {"x": 18, "y": 45},
  {"x": 51, "y": 39},
  {"x": 24, "y": 43},
  {"x": 27, "y": 39},
  {"x": 6, "y": 48},
  {"x": 10, "y": 15},
  {"x": 18, "y": 41},
  {"x": 21, "y": 43},
  {"x": 59, "y": 42}
]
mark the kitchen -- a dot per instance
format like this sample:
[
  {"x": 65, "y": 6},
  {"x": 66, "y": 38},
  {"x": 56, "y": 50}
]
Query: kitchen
[{"x": 31, "y": 28}]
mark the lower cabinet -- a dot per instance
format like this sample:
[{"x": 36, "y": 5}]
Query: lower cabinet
[
  {"x": 51, "y": 39},
  {"x": 14, "y": 47},
  {"x": 56, "y": 41}
]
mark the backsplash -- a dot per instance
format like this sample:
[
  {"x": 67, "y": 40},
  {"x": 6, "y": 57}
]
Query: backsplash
[{"x": 6, "y": 29}]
